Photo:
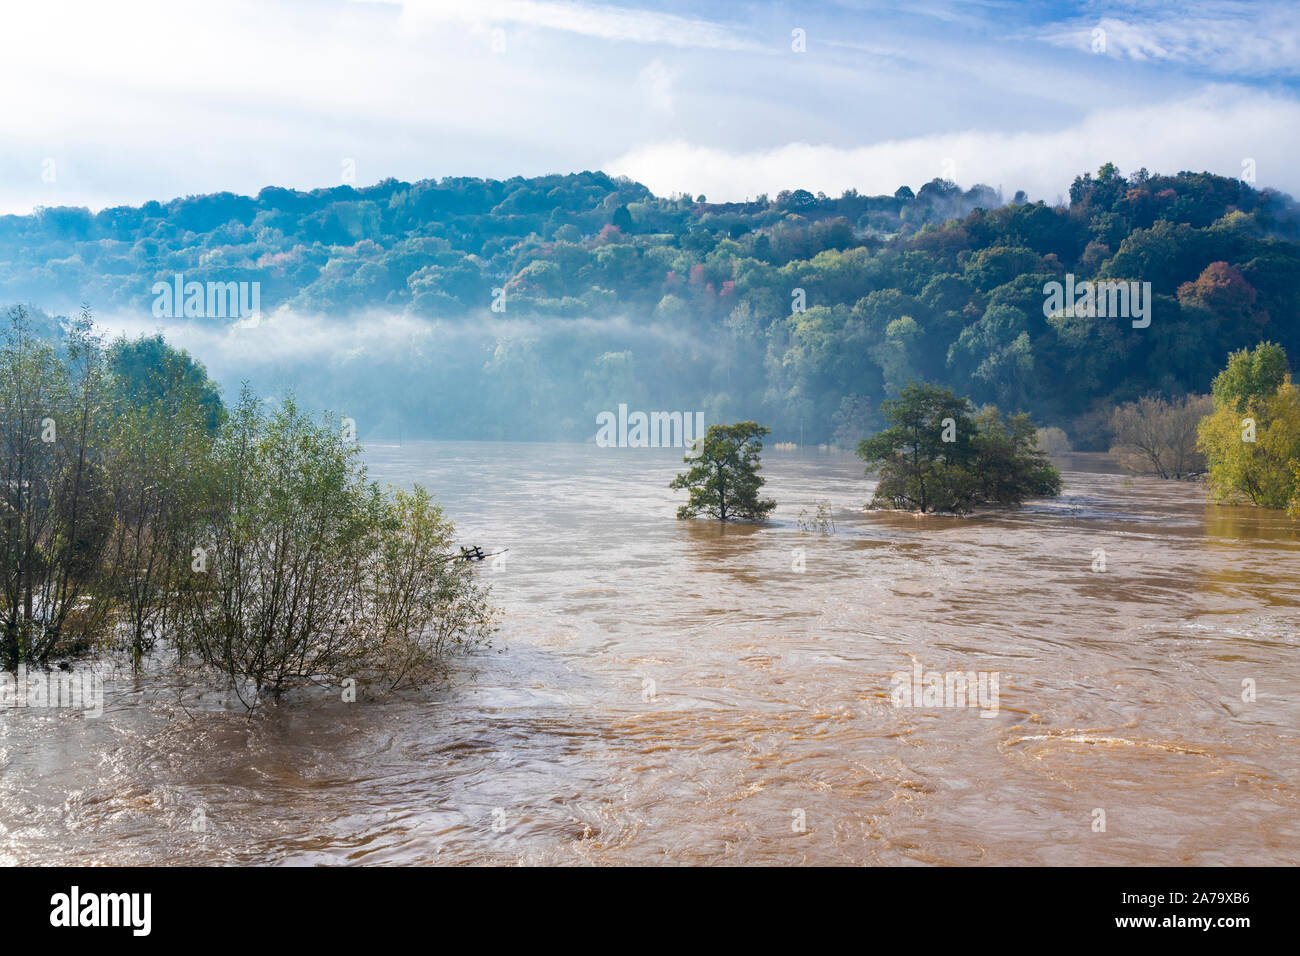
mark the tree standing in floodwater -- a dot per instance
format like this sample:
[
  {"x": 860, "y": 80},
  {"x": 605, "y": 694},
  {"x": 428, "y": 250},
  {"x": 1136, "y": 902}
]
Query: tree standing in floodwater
[
  {"x": 936, "y": 456},
  {"x": 723, "y": 480}
]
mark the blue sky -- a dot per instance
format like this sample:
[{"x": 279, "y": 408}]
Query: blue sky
[{"x": 106, "y": 104}]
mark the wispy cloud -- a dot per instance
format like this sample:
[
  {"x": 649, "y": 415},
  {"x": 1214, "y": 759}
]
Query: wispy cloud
[
  {"x": 1231, "y": 39},
  {"x": 150, "y": 99},
  {"x": 604, "y": 22},
  {"x": 656, "y": 83}
]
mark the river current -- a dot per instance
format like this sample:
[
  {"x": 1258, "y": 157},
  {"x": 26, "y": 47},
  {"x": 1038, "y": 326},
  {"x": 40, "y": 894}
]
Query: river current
[{"x": 677, "y": 692}]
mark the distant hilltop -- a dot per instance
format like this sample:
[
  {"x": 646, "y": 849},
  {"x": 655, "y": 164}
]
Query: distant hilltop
[{"x": 527, "y": 306}]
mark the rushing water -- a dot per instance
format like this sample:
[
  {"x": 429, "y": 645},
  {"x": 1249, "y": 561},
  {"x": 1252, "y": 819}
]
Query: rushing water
[{"x": 676, "y": 692}]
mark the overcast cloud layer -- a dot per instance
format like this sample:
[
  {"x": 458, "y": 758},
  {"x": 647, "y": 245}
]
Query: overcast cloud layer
[{"x": 107, "y": 104}]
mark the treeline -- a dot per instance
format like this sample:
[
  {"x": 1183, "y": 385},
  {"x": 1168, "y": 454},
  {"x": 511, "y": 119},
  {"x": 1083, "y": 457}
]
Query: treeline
[
  {"x": 801, "y": 310},
  {"x": 437, "y": 246},
  {"x": 137, "y": 511}
]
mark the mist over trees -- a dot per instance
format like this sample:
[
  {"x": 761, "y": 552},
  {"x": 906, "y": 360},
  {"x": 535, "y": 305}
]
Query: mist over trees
[{"x": 800, "y": 310}]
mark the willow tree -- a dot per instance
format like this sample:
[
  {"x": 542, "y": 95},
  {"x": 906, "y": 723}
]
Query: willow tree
[
  {"x": 164, "y": 410},
  {"x": 274, "y": 595},
  {"x": 1154, "y": 435},
  {"x": 424, "y": 601},
  {"x": 723, "y": 480}
]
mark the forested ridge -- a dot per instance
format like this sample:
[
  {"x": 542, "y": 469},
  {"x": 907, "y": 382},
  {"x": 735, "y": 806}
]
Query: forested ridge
[{"x": 801, "y": 311}]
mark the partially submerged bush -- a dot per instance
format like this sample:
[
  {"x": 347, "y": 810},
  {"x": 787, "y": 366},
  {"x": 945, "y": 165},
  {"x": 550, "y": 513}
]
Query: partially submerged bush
[
  {"x": 311, "y": 574},
  {"x": 821, "y": 520},
  {"x": 425, "y": 602},
  {"x": 1157, "y": 436},
  {"x": 136, "y": 511}
]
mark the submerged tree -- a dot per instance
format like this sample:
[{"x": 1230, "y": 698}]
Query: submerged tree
[
  {"x": 276, "y": 599},
  {"x": 312, "y": 574},
  {"x": 723, "y": 480},
  {"x": 1157, "y": 436},
  {"x": 936, "y": 456},
  {"x": 120, "y": 465},
  {"x": 163, "y": 409},
  {"x": 424, "y": 601},
  {"x": 54, "y": 513},
  {"x": 919, "y": 455},
  {"x": 96, "y": 459}
]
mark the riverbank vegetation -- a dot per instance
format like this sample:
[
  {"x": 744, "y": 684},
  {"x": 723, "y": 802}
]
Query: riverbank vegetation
[
  {"x": 1252, "y": 439},
  {"x": 139, "y": 514},
  {"x": 1158, "y": 436}
]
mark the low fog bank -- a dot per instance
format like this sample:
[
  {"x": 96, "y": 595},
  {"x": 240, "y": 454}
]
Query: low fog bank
[{"x": 400, "y": 376}]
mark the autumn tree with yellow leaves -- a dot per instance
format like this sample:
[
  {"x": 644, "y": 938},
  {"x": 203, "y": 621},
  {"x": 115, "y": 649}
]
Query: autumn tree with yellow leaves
[{"x": 1252, "y": 440}]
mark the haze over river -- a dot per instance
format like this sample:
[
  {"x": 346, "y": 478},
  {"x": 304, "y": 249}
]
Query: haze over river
[{"x": 769, "y": 707}]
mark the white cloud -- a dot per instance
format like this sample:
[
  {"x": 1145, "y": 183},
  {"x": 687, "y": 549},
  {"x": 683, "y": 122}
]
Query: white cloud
[
  {"x": 602, "y": 22},
  {"x": 153, "y": 99},
  {"x": 1231, "y": 39},
  {"x": 656, "y": 84},
  {"x": 1214, "y": 131}
]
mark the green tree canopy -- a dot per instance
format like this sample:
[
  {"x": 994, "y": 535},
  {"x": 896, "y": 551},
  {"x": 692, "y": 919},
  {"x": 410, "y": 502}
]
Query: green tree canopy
[
  {"x": 723, "y": 480},
  {"x": 148, "y": 369},
  {"x": 787, "y": 306},
  {"x": 1252, "y": 440},
  {"x": 1250, "y": 375},
  {"x": 935, "y": 455}
]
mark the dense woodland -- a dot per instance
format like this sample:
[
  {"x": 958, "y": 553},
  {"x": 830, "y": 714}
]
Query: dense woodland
[{"x": 613, "y": 295}]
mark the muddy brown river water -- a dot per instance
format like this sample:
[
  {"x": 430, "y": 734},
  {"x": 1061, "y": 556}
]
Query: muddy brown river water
[{"x": 679, "y": 692}]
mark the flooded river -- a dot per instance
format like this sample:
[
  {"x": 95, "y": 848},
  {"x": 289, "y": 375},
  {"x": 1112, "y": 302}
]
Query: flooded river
[{"x": 685, "y": 693}]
